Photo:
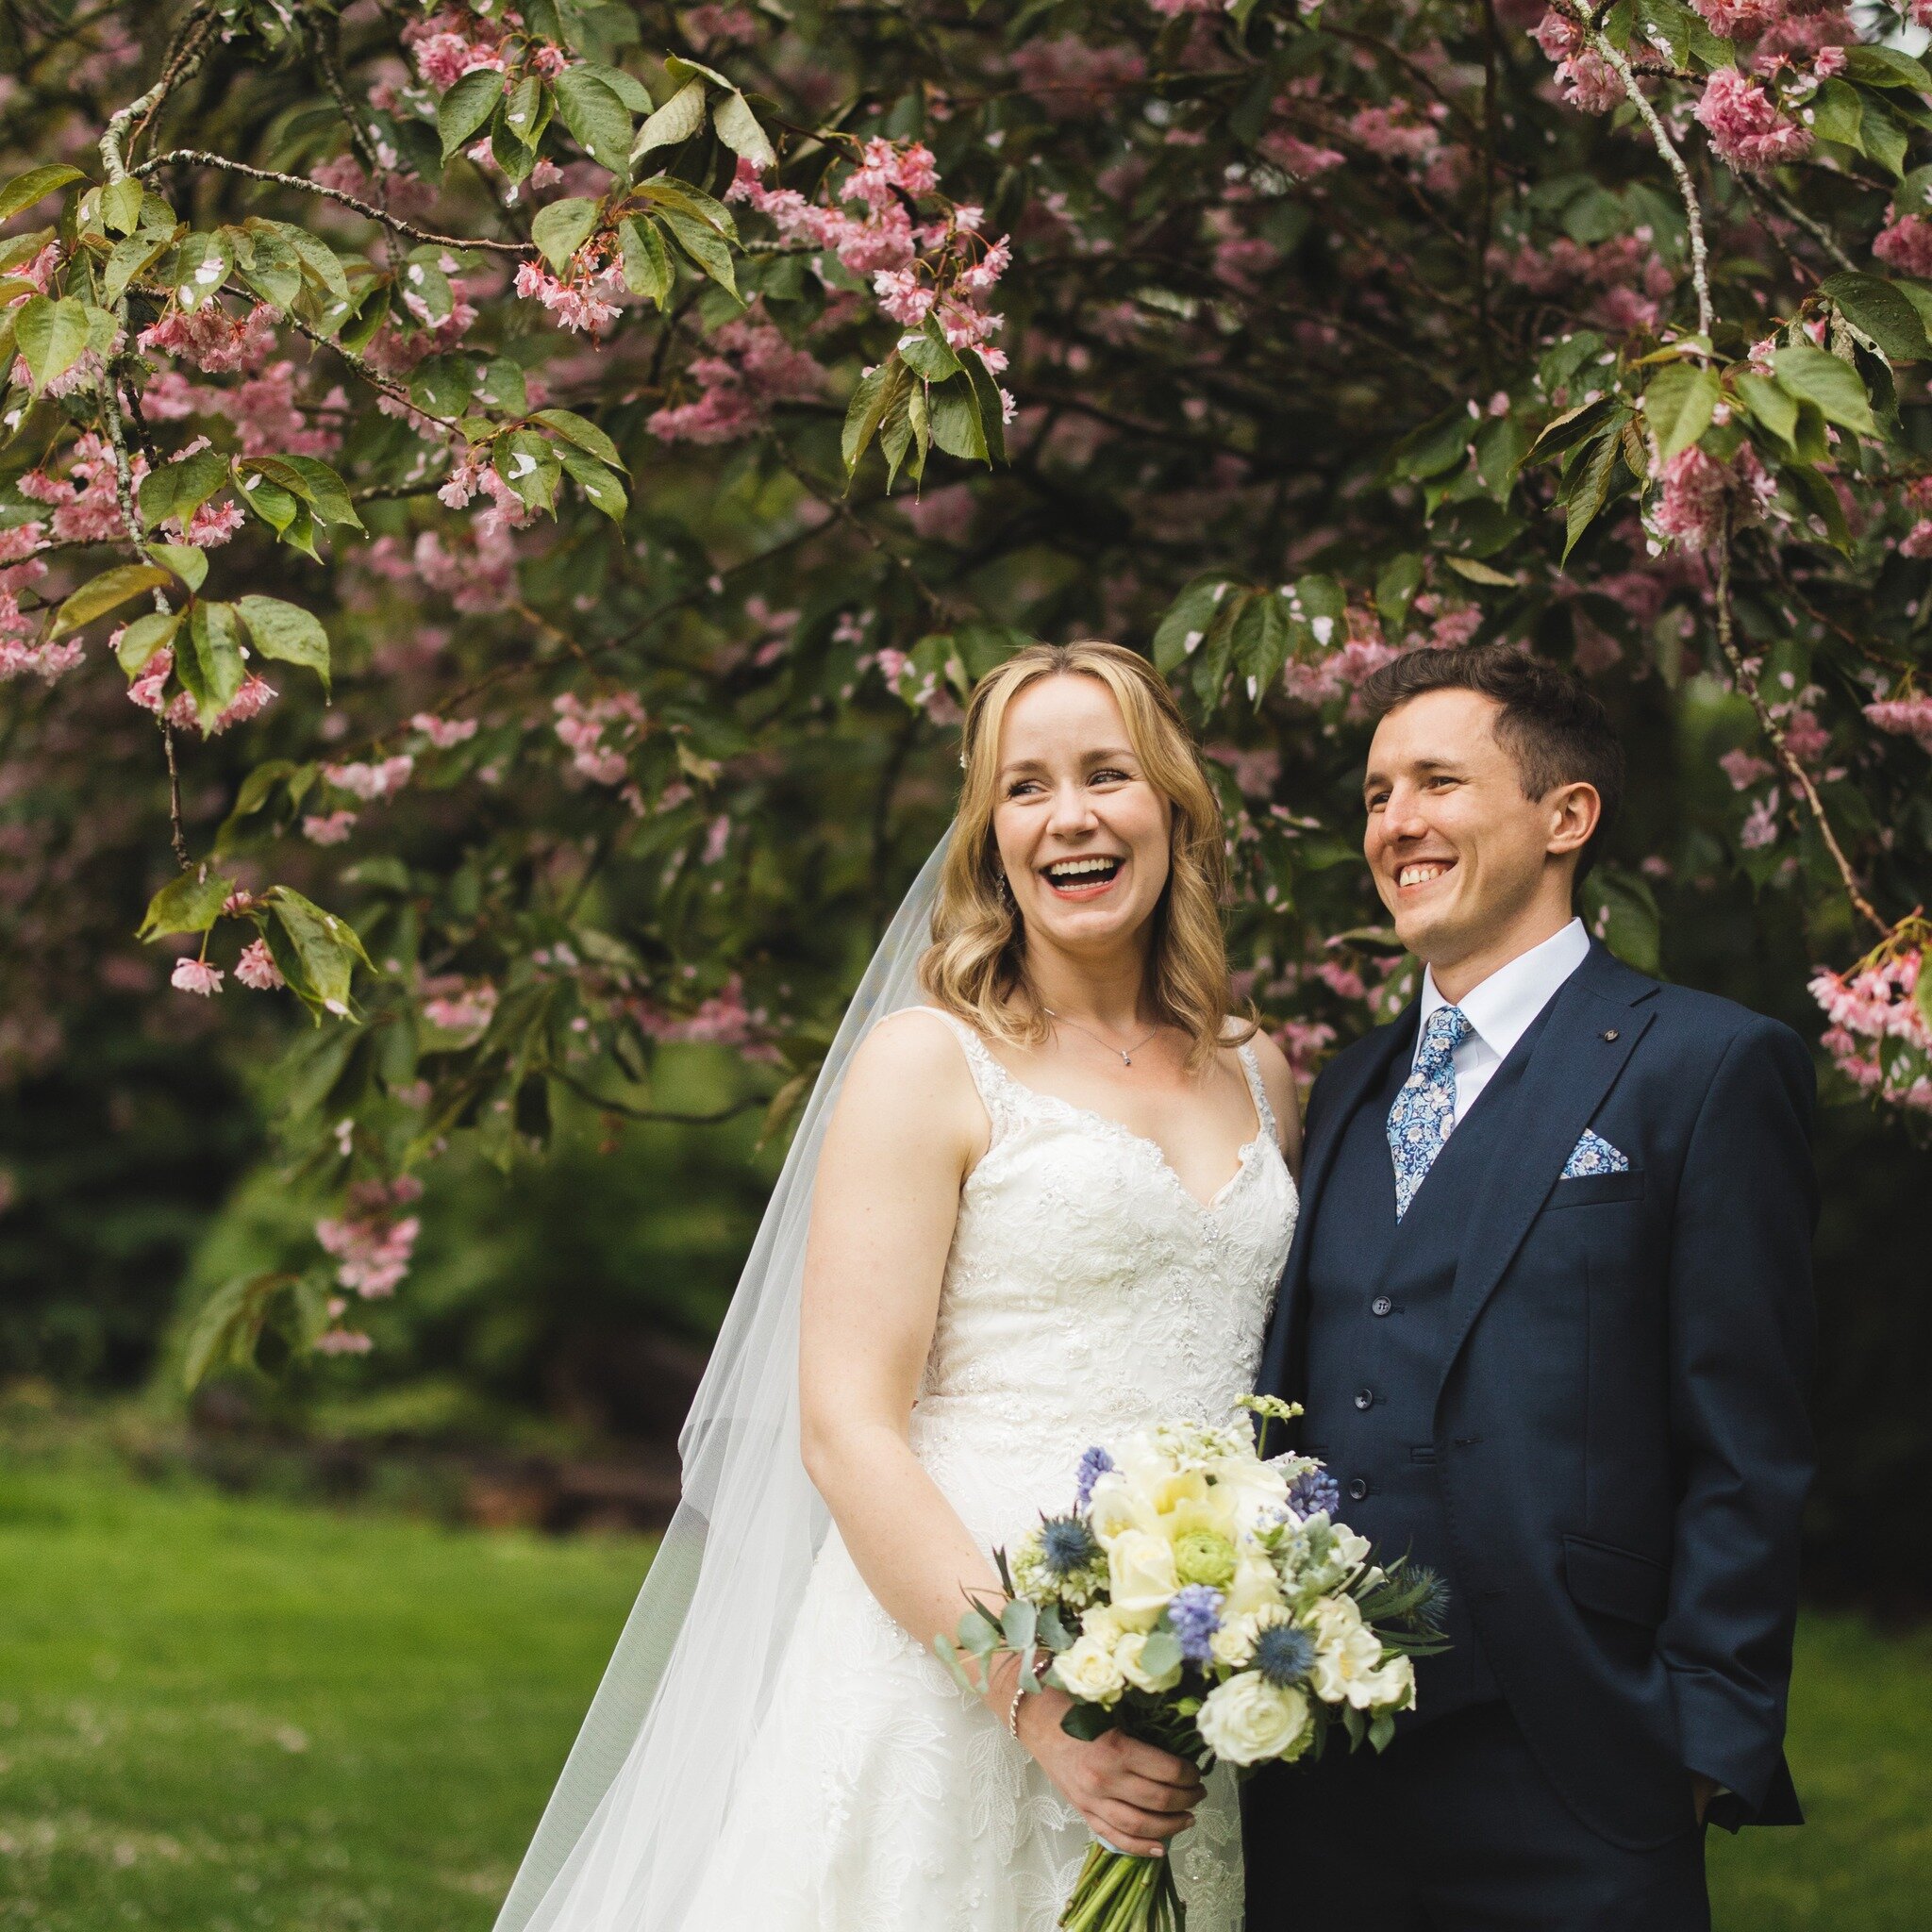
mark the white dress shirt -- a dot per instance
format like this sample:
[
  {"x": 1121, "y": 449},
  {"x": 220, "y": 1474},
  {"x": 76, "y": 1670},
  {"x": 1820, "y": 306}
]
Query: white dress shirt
[{"x": 1500, "y": 1010}]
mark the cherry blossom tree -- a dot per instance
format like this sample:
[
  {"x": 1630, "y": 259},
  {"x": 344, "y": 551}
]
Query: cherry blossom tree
[{"x": 501, "y": 505}]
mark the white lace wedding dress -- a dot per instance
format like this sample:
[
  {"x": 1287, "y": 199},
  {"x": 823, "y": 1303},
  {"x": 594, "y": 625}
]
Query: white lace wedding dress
[{"x": 1087, "y": 1292}]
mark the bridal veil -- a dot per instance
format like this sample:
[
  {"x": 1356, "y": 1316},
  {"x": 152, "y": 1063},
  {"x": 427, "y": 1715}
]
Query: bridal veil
[{"x": 623, "y": 1842}]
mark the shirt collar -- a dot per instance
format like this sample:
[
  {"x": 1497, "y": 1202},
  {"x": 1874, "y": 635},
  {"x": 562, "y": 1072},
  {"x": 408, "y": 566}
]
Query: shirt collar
[{"x": 1501, "y": 1009}]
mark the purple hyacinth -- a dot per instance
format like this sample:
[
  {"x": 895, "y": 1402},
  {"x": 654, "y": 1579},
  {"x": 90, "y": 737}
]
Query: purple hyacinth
[
  {"x": 1195, "y": 1613},
  {"x": 1314, "y": 1494},
  {"x": 1094, "y": 1465}
]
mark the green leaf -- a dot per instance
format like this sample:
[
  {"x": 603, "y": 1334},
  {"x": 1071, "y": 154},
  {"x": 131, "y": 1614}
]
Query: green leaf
[
  {"x": 25, "y": 189},
  {"x": 598, "y": 121},
  {"x": 273, "y": 505},
  {"x": 626, "y": 86},
  {"x": 584, "y": 433},
  {"x": 1815, "y": 376},
  {"x": 957, "y": 427},
  {"x": 705, "y": 246},
  {"x": 663, "y": 192},
  {"x": 186, "y": 560},
  {"x": 1678, "y": 406},
  {"x": 647, "y": 268},
  {"x": 1820, "y": 501},
  {"x": 1882, "y": 135},
  {"x": 522, "y": 113},
  {"x": 1572, "y": 426},
  {"x": 200, "y": 266},
  {"x": 1589, "y": 492},
  {"x": 270, "y": 266},
  {"x": 421, "y": 278},
  {"x": 107, "y": 593},
  {"x": 1769, "y": 406},
  {"x": 327, "y": 949},
  {"x": 1838, "y": 114},
  {"x": 326, "y": 493},
  {"x": 872, "y": 397},
  {"x": 1395, "y": 588},
  {"x": 50, "y": 336},
  {"x": 1875, "y": 308},
  {"x": 1439, "y": 446},
  {"x": 529, "y": 465},
  {"x": 228, "y": 1327},
  {"x": 144, "y": 637},
  {"x": 1479, "y": 573},
  {"x": 738, "y": 128},
  {"x": 991, "y": 406},
  {"x": 1263, "y": 634},
  {"x": 190, "y": 903},
  {"x": 1187, "y": 619},
  {"x": 600, "y": 486},
  {"x": 677, "y": 120},
  {"x": 212, "y": 669},
  {"x": 562, "y": 227},
  {"x": 319, "y": 261},
  {"x": 178, "y": 489},
  {"x": 127, "y": 259},
  {"x": 1887, "y": 67},
  {"x": 287, "y": 633},
  {"x": 462, "y": 111},
  {"x": 926, "y": 354},
  {"x": 120, "y": 206}
]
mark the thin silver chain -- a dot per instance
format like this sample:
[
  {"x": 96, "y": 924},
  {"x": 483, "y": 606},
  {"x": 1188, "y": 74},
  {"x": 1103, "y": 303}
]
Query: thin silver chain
[{"x": 1127, "y": 1053}]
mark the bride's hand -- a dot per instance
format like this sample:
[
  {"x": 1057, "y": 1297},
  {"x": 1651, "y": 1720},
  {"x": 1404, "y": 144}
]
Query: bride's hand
[{"x": 1133, "y": 1795}]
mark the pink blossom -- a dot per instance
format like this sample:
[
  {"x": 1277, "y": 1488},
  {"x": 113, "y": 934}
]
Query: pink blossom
[
  {"x": 458, "y": 1005},
  {"x": 328, "y": 829},
  {"x": 1906, "y": 246},
  {"x": 1584, "y": 78},
  {"x": 1760, "y": 826},
  {"x": 730, "y": 26},
  {"x": 256, "y": 967},
  {"x": 196, "y": 976},
  {"x": 1304, "y": 1043},
  {"x": 1909, "y": 717},
  {"x": 724, "y": 1020},
  {"x": 212, "y": 340},
  {"x": 1696, "y": 488},
  {"x": 213, "y": 524},
  {"x": 750, "y": 368},
  {"x": 443, "y": 733},
  {"x": 369, "y": 782},
  {"x": 147, "y": 690},
  {"x": 1301, "y": 158},
  {"x": 583, "y": 727},
  {"x": 254, "y": 698},
  {"x": 1746, "y": 128},
  {"x": 372, "y": 1246},
  {"x": 1342, "y": 980},
  {"x": 1739, "y": 19},
  {"x": 575, "y": 303},
  {"x": 1743, "y": 769},
  {"x": 343, "y": 1342},
  {"x": 903, "y": 296},
  {"x": 1072, "y": 77}
]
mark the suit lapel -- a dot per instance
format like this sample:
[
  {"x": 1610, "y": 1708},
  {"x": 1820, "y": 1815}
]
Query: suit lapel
[{"x": 1595, "y": 1021}]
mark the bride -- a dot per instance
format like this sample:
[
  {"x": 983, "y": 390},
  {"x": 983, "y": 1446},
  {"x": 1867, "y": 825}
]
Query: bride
[{"x": 1042, "y": 1195}]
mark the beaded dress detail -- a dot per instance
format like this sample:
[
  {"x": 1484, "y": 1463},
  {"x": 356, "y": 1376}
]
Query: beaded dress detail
[{"x": 1088, "y": 1292}]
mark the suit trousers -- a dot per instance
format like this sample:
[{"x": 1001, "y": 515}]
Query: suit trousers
[{"x": 1453, "y": 1829}]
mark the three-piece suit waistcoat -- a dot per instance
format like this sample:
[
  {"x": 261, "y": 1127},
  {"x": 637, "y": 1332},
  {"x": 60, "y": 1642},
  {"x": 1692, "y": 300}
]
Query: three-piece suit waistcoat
[{"x": 1381, "y": 1323}]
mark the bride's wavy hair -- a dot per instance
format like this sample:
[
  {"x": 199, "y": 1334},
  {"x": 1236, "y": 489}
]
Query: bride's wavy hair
[{"x": 977, "y": 964}]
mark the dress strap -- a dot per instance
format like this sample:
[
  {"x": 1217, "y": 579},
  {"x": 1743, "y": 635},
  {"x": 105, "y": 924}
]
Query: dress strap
[
  {"x": 991, "y": 1080},
  {"x": 1251, "y": 1066}
]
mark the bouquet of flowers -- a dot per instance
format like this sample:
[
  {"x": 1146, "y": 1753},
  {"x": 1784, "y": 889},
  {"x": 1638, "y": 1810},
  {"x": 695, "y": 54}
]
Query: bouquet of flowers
[{"x": 1204, "y": 1598}]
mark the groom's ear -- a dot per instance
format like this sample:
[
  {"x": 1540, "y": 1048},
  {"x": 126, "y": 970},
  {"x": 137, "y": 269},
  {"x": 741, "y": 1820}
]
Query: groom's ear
[{"x": 1576, "y": 810}]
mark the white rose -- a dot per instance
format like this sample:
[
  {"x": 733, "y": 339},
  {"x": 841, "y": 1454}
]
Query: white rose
[
  {"x": 1087, "y": 1670},
  {"x": 1348, "y": 1656},
  {"x": 1256, "y": 1586},
  {"x": 1249, "y": 1721},
  {"x": 1233, "y": 1644},
  {"x": 1140, "y": 1576},
  {"x": 1127, "y": 1654}
]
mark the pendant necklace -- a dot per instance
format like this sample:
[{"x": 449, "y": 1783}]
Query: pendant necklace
[{"x": 1127, "y": 1053}]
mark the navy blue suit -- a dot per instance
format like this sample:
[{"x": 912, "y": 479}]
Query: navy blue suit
[{"x": 1583, "y": 1400}]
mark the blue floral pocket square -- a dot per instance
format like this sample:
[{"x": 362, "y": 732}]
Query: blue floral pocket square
[{"x": 1594, "y": 1155}]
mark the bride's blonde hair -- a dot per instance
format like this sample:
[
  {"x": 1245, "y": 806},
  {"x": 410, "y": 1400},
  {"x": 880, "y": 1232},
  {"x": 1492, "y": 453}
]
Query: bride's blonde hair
[{"x": 976, "y": 966}]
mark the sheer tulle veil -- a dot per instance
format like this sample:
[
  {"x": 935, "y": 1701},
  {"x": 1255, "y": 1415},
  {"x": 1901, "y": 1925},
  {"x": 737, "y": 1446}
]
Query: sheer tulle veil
[{"x": 623, "y": 1842}]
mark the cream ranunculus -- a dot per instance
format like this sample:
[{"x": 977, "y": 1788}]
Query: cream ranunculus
[
  {"x": 1256, "y": 1586},
  {"x": 1249, "y": 1721},
  {"x": 1348, "y": 1656},
  {"x": 1088, "y": 1669},
  {"x": 1141, "y": 1576},
  {"x": 1127, "y": 1654}
]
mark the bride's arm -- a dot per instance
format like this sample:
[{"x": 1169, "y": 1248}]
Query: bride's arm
[{"x": 906, "y": 1132}]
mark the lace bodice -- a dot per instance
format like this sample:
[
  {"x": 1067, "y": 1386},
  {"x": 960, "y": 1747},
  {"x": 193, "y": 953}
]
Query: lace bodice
[{"x": 1088, "y": 1292}]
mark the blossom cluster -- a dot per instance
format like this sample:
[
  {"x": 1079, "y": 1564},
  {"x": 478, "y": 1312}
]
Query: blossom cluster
[{"x": 1880, "y": 1031}]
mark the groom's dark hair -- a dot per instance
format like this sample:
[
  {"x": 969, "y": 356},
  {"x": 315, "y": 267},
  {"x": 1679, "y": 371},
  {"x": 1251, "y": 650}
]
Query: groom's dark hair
[{"x": 1555, "y": 728}]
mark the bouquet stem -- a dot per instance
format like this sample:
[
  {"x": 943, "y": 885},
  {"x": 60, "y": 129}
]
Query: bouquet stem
[{"x": 1119, "y": 1892}]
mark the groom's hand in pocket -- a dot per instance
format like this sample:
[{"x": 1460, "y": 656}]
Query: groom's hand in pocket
[{"x": 1133, "y": 1795}]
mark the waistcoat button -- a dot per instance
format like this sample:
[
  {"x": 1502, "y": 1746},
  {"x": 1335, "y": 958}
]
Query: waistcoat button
[
  {"x": 1380, "y": 1305},
  {"x": 1357, "y": 1487},
  {"x": 1365, "y": 1398}
]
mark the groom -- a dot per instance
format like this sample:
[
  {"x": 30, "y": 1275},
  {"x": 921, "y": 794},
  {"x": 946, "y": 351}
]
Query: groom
[{"x": 1549, "y": 1309}]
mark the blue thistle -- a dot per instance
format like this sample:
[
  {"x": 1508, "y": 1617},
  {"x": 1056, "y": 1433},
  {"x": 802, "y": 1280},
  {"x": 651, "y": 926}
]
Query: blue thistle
[
  {"x": 1195, "y": 1615},
  {"x": 1431, "y": 1608},
  {"x": 1314, "y": 1492},
  {"x": 1284, "y": 1654},
  {"x": 1066, "y": 1545},
  {"x": 1094, "y": 1465}
]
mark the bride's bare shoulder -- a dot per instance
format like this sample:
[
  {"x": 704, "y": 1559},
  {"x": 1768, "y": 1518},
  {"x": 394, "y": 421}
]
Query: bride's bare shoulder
[{"x": 910, "y": 1074}]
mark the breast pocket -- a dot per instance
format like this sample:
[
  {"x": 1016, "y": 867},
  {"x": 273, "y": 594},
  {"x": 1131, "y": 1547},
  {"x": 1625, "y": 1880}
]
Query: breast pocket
[{"x": 1587, "y": 1190}]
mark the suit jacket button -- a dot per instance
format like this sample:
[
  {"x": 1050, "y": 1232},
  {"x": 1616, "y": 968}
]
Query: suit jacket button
[
  {"x": 1365, "y": 1398},
  {"x": 1380, "y": 1305},
  {"x": 1357, "y": 1487}
]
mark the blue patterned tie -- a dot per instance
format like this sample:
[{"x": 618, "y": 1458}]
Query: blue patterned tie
[{"x": 1424, "y": 1110}]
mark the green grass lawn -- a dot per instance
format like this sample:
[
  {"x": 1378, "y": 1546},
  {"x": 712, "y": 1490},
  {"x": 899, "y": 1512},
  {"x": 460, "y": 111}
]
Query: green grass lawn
[{"x": 218, "y": 1714}]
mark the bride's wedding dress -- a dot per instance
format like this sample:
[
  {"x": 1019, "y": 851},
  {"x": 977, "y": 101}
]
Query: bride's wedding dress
[{"x": 1088, "y": 1292}]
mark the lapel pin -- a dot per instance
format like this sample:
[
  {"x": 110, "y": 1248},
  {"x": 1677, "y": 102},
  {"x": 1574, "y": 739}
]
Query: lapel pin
[{"x": 1609, "y": 1033}]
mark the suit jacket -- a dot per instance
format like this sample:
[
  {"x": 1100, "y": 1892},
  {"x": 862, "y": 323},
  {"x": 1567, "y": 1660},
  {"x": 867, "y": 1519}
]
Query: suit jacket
[{"x": 1620, "y": 1425}]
